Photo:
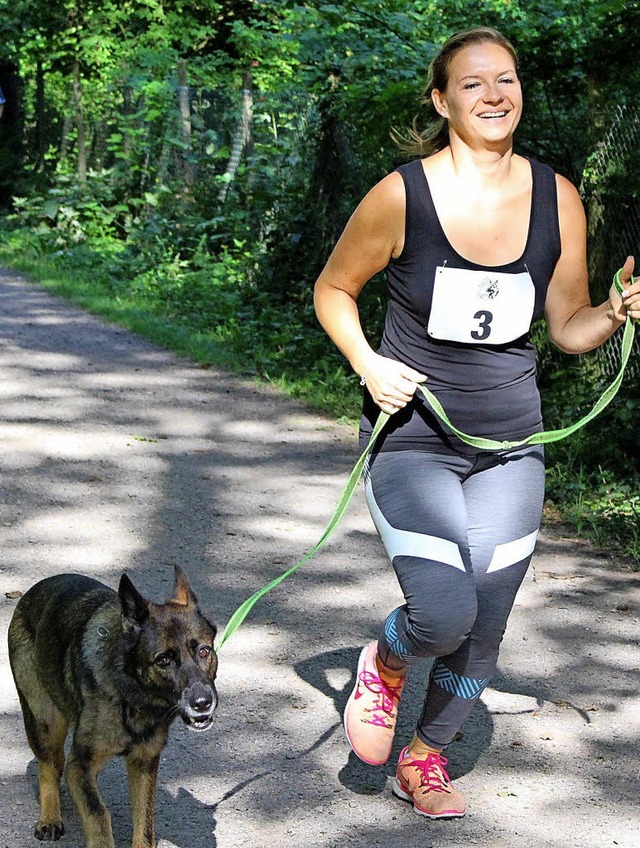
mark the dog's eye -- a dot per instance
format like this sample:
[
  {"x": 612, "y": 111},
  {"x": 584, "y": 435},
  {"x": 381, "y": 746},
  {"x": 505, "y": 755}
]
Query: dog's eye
[
  {"x": 163, "y": 661},
  {"x": 203, "y": 652}
]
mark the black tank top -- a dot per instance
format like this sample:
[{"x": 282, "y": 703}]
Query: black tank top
[{"x": 466, "y": 326}]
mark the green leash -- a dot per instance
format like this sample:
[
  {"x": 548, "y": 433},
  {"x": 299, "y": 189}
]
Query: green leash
[
  {"x": 347, "y": 493},
  {"x": 547, "y": 436},
  {"x": 542, "y": 438}
]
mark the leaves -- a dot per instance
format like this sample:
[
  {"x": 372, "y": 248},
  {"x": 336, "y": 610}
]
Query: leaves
[{"x": 327, "y": 83}]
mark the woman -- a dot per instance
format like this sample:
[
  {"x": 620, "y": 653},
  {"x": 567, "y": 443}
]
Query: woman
[{"x": 478, "y": 242}]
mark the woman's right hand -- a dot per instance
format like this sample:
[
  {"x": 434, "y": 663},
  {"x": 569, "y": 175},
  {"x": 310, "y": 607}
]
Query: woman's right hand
[{"x": 391, "y": 384}]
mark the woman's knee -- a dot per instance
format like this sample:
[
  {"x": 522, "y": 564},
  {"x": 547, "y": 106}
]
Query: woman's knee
[{"x": 437, "y": 632}]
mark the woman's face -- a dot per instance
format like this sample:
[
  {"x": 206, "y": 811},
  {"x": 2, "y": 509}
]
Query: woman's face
[{"x": 483, "y": 99}]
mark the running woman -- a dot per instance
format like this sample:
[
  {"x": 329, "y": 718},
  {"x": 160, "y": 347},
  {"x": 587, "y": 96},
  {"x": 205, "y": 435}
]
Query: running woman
[{"x": 478, "y": 242}]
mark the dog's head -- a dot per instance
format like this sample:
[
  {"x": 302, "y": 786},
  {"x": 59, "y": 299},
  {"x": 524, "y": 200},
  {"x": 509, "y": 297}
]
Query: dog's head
[{"x": 169, "y": 649}]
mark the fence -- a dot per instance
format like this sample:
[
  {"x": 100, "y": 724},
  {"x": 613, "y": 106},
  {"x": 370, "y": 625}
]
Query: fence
[{"x": 610, "y": 189}]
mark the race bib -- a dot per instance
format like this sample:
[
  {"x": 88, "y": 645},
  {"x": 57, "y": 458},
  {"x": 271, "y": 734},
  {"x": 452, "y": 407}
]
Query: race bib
[{"x": 480, "y": 307}]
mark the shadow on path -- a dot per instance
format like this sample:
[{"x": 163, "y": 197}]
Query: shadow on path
[{"x": 115, "y": 455}]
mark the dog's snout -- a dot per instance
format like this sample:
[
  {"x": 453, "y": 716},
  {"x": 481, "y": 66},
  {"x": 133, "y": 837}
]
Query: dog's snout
[
  {"x": 197, "y": 705},
  {"x": 202, "y": 698}
]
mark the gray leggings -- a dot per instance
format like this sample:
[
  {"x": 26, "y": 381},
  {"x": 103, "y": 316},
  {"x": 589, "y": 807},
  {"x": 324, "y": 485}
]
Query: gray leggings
[{"x": 460, "y": 532}]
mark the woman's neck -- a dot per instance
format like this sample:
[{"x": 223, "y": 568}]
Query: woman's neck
[{"x": 483, "y": 167}]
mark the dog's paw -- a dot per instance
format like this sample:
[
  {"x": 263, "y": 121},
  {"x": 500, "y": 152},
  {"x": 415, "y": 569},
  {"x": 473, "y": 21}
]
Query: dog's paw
[{"x": 49, "y": 831}]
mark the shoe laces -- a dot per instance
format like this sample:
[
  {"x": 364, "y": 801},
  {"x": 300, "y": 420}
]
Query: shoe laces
[
  {"x": 433, "y": 776},
  {"x": 387, "y": 696}
]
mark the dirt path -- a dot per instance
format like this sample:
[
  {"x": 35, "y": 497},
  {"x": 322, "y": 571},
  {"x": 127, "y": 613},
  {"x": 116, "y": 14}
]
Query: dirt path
[{"x": 116, "y": 455}]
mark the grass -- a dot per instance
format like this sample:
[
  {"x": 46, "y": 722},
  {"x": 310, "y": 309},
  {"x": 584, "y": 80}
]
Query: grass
[
  {"x": 298, "y": 360},
  {"x": 291, "y": 352},
  {"x": 96, "y": 297}
]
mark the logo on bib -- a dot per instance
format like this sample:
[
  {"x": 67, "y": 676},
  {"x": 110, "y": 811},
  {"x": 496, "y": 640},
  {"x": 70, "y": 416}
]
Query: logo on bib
[{"x": 489, "y": 288}]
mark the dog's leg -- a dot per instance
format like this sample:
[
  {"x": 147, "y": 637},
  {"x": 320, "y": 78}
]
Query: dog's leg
[
  {"x": 50, "y": 768},
  {"x": 46, "y": 730},
  {"x": 143, "y": 773},
  {"x": 83, "y": 767}
]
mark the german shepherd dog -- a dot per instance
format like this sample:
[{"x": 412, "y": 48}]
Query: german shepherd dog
[{"x": 117, "y": 668}]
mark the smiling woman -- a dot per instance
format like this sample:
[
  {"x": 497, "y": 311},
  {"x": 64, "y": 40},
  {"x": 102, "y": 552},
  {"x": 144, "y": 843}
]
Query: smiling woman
[
  {"x": 478, "y": 242},
  {"x": 436, "y": 136},
  {"x": 483, "y": 95}
]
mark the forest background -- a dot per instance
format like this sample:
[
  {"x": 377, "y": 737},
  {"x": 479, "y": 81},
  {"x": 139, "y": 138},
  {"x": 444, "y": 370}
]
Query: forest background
[{"x": 185, "y": 168}]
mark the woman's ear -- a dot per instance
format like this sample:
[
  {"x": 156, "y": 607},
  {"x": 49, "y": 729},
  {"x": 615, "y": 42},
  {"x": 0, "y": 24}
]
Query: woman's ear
[{"x": 439, "y": 103}]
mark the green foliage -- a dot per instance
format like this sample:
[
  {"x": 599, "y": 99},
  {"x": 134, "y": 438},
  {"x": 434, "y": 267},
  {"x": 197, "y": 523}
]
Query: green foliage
[
  {"x": 211, "y": 207},
  {"x": 69, "y": 215},
  {"x": 597, "y": 501}
]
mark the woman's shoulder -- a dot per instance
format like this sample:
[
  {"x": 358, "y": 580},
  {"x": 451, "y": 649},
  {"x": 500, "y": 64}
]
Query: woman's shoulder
[
  {"x": 389, "y": 190},
  {"x": 529, "y": 165},
  {"x": 413, "y": 166},
  {"x": 564, "y": 186},
  {"x": 567, "y": 194},
  {"x": 569, "y": 199},
  {"x": 381, "y": 211},
  {"x": 571, "y": 212}
]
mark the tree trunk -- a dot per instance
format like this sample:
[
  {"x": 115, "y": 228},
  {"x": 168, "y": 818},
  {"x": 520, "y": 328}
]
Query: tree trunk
[
  {"x": 41, "y": 130},
  {"x": 82, "y": 139},
  {"x": 243, "y": 139},
  {"x": 247, "y": 113},
  {"x": 127, "y": 111},
  {"x": 188, "y": 170}
]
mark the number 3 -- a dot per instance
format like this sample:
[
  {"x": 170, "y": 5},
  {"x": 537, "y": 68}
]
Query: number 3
[{"x": 484, "y": 329}]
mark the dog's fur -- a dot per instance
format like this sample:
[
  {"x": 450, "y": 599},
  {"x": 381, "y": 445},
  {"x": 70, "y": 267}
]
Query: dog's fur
[{"x": 117, "y": 668}]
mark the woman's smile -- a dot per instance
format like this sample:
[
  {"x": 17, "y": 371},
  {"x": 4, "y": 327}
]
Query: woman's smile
[{"x": 483, "y": 84}]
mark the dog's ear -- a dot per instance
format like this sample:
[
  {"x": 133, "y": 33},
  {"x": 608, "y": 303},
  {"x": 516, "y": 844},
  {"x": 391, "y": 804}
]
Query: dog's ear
[
  {"x": 182, "y": 592},
  {"x": 135, "y": 608}
]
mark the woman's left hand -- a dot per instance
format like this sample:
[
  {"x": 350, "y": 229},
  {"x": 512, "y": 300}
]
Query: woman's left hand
[{"x": 629, "y": 303}]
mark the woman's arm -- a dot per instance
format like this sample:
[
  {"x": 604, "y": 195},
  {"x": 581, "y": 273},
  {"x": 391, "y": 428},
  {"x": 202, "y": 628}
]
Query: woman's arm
[
  {"x": 576, "y": 326},
  {"x": 374, "y": 233}
]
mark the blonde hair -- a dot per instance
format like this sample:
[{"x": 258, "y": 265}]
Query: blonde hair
[{"x": 435, "y": 136}]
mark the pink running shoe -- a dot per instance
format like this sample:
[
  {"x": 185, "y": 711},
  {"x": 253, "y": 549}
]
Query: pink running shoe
[
  {"x": 426, "y": 784},
  {"x": 371, "y": 711}
]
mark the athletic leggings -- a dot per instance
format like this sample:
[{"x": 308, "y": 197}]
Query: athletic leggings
[{"x": 460, "y": 532}]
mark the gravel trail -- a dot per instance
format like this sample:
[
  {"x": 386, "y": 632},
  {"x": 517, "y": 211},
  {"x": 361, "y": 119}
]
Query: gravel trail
[{"x": 116, "y": 455}]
